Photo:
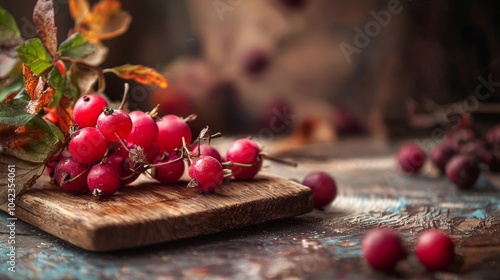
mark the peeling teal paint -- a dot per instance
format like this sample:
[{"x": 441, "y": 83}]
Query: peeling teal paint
[{"x": 479, "y": 214}]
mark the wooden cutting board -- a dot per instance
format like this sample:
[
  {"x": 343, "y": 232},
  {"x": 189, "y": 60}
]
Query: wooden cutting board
[{"x": 149, "y": 213}]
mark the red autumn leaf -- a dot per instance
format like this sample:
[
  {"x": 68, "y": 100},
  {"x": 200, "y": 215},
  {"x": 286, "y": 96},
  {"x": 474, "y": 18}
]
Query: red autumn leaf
[
  {"x": 140, "y": 74},
  {"x": 65, "y": 112},
  {"x": 23, "y": 135},
  {"x": 39, "y": 90},
  {"x": 43, "y": 18},
  {"x": 105, "y": 21}
]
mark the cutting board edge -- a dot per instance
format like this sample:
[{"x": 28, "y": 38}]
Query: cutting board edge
[
  {"x": 101, "y": 246},
  {"x": 301, "y": 203}
]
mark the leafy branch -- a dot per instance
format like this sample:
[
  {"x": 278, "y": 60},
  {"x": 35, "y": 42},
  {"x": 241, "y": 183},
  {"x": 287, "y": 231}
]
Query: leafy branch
[{"x": 40, "y": 81}]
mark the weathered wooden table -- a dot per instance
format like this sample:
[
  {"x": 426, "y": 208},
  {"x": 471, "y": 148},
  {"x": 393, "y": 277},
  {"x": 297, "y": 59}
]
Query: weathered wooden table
[{"x": 318, "y": 245}]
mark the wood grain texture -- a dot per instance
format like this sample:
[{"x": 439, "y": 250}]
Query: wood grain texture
[
  {"x": 319, "y": 245},
  {"x": 149, "y": 213}
]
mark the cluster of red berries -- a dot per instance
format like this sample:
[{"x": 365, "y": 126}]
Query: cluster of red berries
[
  {"x": 384, "y": 248},
  {"x": 461, "y": 156},
  {"x": 110, "y": 148}
]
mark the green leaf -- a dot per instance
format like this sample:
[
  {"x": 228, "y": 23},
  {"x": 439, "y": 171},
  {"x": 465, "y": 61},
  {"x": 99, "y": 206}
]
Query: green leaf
[
  {"x": 13, "y": 114},
  {"x": 15, "y": 85},
  {"x": 76, "y": 47},
  {"x": 8, "y": 65},
  {"x": 34, "y": 55},
  {"x": 28, "y": 142},
  {"x": 7, "y": 21},
  {"x": 62, "y": 85},
  {"x": 9, "y": 111},
  {"x": 10, "y": 37}
]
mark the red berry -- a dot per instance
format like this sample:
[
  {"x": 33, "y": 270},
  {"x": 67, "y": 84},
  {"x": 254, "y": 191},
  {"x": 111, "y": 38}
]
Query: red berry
[
  {"x": 411, "y": 158},
  {"x": 255, "y": 62},
  {"x": 151, "y": 152},
  {"x": 244, "y": 151},
  {"x": 294, "y": 4},
  {"x": 71, "y": 175},
  {"x": 51, "y": 117},
  {"x": 169, "y": 173},
  {"x": 435, "y": 249},
  {"x": 114, "y": 125},
  {"x": 88, "y": 145},
  {"x": 62, "y": 68},
  {"x": 207, "y": 172},
  {"x": 345, "y": 122},
  {"x": 104, "y": 179},
  {"x": 171, "y": 130},
  {"x": 129, "y": 174},
  {"x": 463, "y": 170},
  {"x": 490, "y": 159},
  {"x": 382, "y": 248},
  {"x": 87, "y": 109},
  {"x": 122, "y": 163},
  {"x": 51, "y": 165},
  {"x": 144, "y": 129},
  {"x": 323, "y": 187},
  {"x": 206, "y": 150},
  {"x": 457, "y": 138},
  {"x": 441, "y": 155},
  {"x": 117, "y": 160},
  {"x": 493, "y": 136}
]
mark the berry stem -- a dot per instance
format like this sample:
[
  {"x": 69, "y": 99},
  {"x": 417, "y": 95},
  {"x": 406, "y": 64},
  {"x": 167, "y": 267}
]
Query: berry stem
[
  {"x": 134, "y": 173},
  {"x": 154, "y": 113},
  {"x": 190, "y": 118},
  {"x": 165, "y": 163},
  {"x": 279, "y": 160},
  {"x": 210, "y": 137},
  {"x": 66, "y": 174},
  {"x": 124, "y": 98},
  {"x": 229, "y": 163},
  {"x": 228, "y": 173}
]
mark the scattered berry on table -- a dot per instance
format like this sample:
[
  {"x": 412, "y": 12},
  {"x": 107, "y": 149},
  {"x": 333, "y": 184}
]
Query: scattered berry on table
[
  {"x": 411, "y": 158},
  {"x": 441, "y": 155},
  {"x": 463, "y": 171},
  {"x": 435, "y": 249},
  {"x": 323, "y": 187},
  {"x": 294, "y": 4},
  {"x": 493, "y": 136},
  {"x": 255, "y": 62},
  {"x": 382, "y": 248}
]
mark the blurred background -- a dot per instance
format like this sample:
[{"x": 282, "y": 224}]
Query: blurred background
[{"x": 321, "y": 67}]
